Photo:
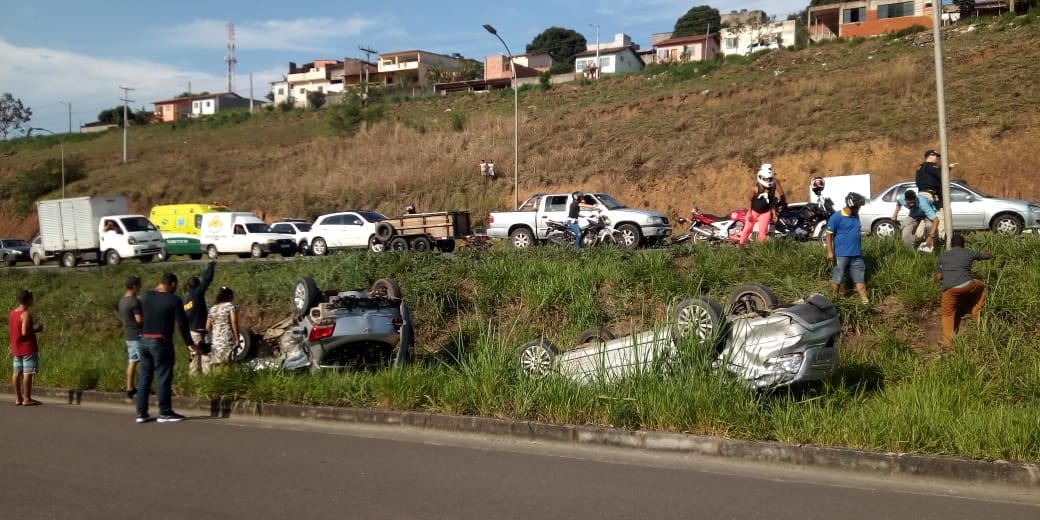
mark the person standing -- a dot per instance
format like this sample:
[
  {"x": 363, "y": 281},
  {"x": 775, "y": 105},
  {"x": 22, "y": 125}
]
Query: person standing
[
  {"x": 491, "y": 169},
  {"x": 483, "y": 169},
  {"x": 845, "y": 246},
  {"x": 222, "y": 325},
  {"x": 929, "y": 185},
  {"x": 195, "y": 307},
  {"x": 921, "y": 211},
  {"x": 129, "y": 309},
  {"x": 766, "y": 196},
  {"x": 958, "y": 286},
  {"x": 25, "y": 350},
  {"x": 574, "y": 214},
  {"x": 162, "y": 310}
]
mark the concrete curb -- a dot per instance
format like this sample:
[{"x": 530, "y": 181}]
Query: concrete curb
[{"x": 1019, "y": 474}]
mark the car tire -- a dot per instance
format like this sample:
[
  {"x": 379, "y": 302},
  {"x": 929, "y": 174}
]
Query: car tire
[
  {"x": 162, "y": 256},
  {"x": 387, "y": 287},
  {"x": 112, "y": 257},
  {"x": 398, "y": 244},
  {"x": 521, "y": 238},
  {"x": 750, "y": 298},
  {"x": 212, "y": 253},
  {"x": 305, "y": 296},
  {"x": 319, "y": 247},
  {"x": 69, "y": 259},
  {"x": 37, "y": 260},
  {"x": 384, "y": 231},
  {"x": 1007, "y": 224},
  {"x": 885, "y": 228},
  {"x": 631, "y": 235},
  {"x": 406, "y": 348},
  {"x": 446, "y": 246},
  {"x": 595, "y": 335},
  {"x": 375, "y": 245},
  {"x": 257, "y": 251},
  {"x": 9, "y": 260},
  {"x": 535, "y": 358},
  {"x": 420, "y": 244},
  {"x": 246, "y": 341},
  {"x": 700, "y": 317}
]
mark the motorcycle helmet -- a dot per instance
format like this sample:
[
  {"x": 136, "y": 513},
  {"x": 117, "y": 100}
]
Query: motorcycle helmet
[
  {"x": 816, "y": 185},
  {"x": 855, "y": 200},
  {"x": 409, "y": 209},
  {"x": 765, "y": 176},
  {"x": 577, "y": 195}
]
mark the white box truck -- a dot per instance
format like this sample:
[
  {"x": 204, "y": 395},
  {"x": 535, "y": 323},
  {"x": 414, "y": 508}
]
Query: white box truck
[
  {"x": 243, "y": 234},
  {"x": 96, "y": 228}
]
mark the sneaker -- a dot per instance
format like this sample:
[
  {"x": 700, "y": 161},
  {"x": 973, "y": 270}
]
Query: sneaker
[
  {"x": 143, "y": 418},
  {"x": 173, "y": 417}
]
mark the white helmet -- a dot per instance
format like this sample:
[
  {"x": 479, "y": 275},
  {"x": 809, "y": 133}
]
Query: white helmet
[{"x": 765, "y": 176}]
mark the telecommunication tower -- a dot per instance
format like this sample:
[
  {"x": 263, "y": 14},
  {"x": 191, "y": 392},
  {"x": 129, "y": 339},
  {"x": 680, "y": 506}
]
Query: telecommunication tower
[{"x": 230, "y": 59}]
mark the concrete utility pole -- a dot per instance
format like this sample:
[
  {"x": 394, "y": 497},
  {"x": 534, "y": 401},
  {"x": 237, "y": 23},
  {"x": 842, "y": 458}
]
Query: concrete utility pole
[
  {"x": 368, "y": 52},
  {"x": 250, "y": 92},
  {"x": 126, "y": 123},
  {"x": 516, "y": 118},
  {"x": 68, "y": 104},
  {"x": 597, "y": 49},
  {"x": 940, "y": 100}
]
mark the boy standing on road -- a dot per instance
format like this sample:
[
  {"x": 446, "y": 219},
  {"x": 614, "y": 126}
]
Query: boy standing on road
[
  {"x": 24, "y": 349},
  {"x": 129, "y": 309},
  {"x": 958, "y": 286},
  {"x": 845, "y": 247}
]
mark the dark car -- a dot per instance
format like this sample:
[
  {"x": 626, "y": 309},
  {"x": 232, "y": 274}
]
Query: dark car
[{"x": 14, "y": 250}]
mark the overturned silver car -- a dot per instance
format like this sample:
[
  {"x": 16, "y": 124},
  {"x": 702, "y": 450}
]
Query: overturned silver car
[{"x": 766, "y": 344}]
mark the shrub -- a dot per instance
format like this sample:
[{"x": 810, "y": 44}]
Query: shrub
[{"x": 458, "y": 121}]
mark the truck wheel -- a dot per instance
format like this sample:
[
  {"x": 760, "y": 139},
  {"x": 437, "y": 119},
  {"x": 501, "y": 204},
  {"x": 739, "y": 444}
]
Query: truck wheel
[
  {"x": 212, "y": 253},
  {"x": 112, "y": 257},
  {"x": 384, "y": 231},
  {"x": 319, "y": 247},
  {"x": 162, "y": 256},
  {"x": 375, "y": 245},
  {"x": 420, "y": 244},
  {"x": 631, "y": 235},
  {"x": 398, "y": 244},
  {"x": 147, "y": 259},
  {"x": 521, "y": 238},
  {"x": 69, "y": 260},
  {"x": 37, "y": 260},
  {"x": 387, "y": 287},
  {"x": 257, "y": 251}
]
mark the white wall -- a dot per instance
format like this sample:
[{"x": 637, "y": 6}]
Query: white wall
[{"x": 735, "y": 40}]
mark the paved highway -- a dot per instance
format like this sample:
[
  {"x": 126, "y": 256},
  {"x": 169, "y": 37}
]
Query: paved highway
[{"x": 93, "y": 461}]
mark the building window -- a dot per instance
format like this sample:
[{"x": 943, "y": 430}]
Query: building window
[
  {"x": 320, "y": 89},
  {"x": 281, "y": 91},
  {"x": 303, "y": 91},
  {"x": 209, "y": 104},
  {"x": 897, "y": 10},
  {"x": 731, "y": 43},
  {"x": 854, "y": 15}
]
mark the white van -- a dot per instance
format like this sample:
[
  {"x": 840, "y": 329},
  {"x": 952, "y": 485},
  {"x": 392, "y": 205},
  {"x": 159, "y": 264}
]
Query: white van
[{"x": 243, "y": 234}]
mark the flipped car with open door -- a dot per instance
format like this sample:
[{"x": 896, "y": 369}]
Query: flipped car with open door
[{"x": 766, "y": 344}]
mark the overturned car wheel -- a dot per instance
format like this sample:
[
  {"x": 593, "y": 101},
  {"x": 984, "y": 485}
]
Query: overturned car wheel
[
  {"x": 305, "y": 296},
  {"x": 387, "y": 287},
  {"x": 244, "y": 350},
  {"x": 595, "y": 335},
  {"x": 700, "y": 319},
  {"x": 536, "y": 357},
  {"x": 751, "y": 298}
]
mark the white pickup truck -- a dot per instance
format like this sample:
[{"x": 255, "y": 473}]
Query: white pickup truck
[{"x": 528, "y": 225}]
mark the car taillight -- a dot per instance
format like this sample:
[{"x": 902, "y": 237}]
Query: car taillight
[
  {"x": 321, "y": 331},
  {"x": 397, "y": 324},
  {"x": 491, "y": 218}
]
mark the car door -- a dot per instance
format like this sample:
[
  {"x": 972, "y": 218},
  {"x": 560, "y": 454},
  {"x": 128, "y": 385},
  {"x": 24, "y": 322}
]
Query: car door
[
  {"x": 331, "y": 229},
  {"x": 969, "y": 211},
  {"x": 353, "y": 231},
  {"x": 554, "y": 207}
]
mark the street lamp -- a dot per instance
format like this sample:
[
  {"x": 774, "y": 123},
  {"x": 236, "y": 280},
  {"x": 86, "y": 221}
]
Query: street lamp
[
  {"x": 516, "y": 119},
  {"x": 62, "y": 147}
]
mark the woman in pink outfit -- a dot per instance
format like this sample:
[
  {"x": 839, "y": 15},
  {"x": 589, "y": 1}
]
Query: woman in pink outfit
[{"x": 765, "y": 197}]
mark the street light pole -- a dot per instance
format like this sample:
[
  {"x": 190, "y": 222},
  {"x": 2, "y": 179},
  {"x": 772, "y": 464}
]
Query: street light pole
[
  {"x": 69, "y": 104},
  {"x": 597, "y": 48},
  {"x": 62, "y": 147},
  {"x": 516, "y": 119}
]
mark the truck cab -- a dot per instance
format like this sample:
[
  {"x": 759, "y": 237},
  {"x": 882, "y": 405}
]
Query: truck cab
[
  {"x": 128, "y": 236},
  {"x": 243, "y": 234}
]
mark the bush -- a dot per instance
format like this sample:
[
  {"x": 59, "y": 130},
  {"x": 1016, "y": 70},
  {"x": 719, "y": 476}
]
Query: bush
[
  {"x": 346, "y": 117},
  {"x": 25, "y": 188},
  {"x": 458, "y": 121}
]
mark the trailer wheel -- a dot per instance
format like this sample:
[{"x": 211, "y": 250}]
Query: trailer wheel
[
  {"x": 446, "y": 246},
  {"x": 69, "y": 260},
  {"x": 398, "y": 244},
  {"x": 375, "y": 245},
  {"x": 112, "y": 257},
  {"x": 384, "y": 231},
  {"x": 420, "y": 244}
]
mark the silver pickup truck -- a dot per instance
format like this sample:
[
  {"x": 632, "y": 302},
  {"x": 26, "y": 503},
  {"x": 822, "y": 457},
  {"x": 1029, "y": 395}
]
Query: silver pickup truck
[{"x": 528, "y": 225}]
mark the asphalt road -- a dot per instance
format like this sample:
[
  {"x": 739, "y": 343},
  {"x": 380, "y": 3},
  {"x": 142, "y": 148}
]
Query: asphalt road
[{"x": 93, "y": 461}]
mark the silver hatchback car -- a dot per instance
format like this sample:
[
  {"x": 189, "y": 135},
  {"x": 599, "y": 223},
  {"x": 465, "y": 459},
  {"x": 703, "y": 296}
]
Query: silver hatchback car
[{"x": 972, "y": 210}]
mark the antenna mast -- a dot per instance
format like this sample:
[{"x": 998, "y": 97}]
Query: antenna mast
[{"x": 230, "y": 59}]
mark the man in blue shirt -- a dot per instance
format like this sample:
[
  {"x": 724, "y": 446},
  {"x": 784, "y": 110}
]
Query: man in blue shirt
[
  {"x": 845, "y": 248},
  {"x": 921, "y": 211}
]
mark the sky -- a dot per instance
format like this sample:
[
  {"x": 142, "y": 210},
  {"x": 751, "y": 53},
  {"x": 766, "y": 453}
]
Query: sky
[{"x": 60, "y": 53}]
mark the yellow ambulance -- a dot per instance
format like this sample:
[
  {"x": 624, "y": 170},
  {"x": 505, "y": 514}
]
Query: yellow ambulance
[{"x": 181, "y": 225}]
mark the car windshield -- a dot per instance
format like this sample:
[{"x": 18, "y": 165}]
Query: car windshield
[
  {"x": 372, "y": 216},
  {"x": 608, "y": 201},
  {"x": 17, "y": 242},
  {"x": 257, "y": 227},
  {"x": 133, "y": 224}
]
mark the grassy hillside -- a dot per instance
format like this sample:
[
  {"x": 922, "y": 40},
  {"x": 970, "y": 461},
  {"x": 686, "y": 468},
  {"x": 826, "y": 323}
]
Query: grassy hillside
[{"x": 667, "y": 139}]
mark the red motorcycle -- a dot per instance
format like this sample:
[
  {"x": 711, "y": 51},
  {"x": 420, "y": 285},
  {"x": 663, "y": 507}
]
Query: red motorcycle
[{"x": 713, "y": 228}]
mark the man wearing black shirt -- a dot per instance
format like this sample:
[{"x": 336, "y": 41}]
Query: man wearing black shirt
[
  {"x": 161, "y": 309},
  {"x": 578, "y": 203},
  {"x": 929, "y": 186},
  {"x": 196, "y": 309}
]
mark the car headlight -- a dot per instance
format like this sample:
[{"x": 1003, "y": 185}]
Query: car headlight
[
  {"x": 132, "y": 241},
  {"x": 788, "y": 363},
  {"x": 655, "y": 221},
  {"x": 1035, "y": 208}
]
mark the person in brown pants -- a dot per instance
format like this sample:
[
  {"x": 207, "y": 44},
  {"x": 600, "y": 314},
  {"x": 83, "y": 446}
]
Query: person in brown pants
[{"x": 959, "y": 288}]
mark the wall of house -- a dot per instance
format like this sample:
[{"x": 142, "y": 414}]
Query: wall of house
[
  {"x": 693, "y": 51},
  {"x": 827, "y": 20},
  {"x": 496, "y": 67},
  {"x": 736, "y": 40}
]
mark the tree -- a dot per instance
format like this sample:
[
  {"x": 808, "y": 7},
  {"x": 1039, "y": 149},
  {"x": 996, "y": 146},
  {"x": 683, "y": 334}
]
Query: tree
[
  {"x": 562, "y": 44},
  {"x": 702, "y": 19},
  {"x": 114, "y": 116},
  {"x": 13, "y": 114},
  {"x": 315, "y": 99}
]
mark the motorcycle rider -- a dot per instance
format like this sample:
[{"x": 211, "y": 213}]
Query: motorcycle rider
[
  {"x": 766, "y": 198},
  {"x": 578, "y": 203},
  {"x": 824, "y": 204}
]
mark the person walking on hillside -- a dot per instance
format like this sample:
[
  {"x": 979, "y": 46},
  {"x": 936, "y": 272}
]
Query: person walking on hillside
[
  {"x": 921, "y": 212},
  {"x": 845, "y": 246},
  {"x": 959, "y": 288},
  {"x": 162, "y": 310},
  {"x": 765, "y": 199},
  {"x": 929, "y": 185},
  {"x": 222, "y": 325},
  {"x": 129, "y": 310},
  {"x": 25, "y": 349},
  {"x": 483, "y": 169},
  {"x": 491, "y": 169},
  {"x": 195, "y": 307}
]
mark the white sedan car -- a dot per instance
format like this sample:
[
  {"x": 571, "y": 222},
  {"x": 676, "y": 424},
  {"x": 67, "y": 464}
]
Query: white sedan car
[{"x": 344, "y": 229}]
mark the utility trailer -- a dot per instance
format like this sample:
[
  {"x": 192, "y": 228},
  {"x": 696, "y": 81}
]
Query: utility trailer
[{"x": 423, "y": 231}]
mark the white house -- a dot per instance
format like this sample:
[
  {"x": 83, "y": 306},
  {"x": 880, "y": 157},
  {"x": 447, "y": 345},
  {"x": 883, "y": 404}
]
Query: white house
[
  {"x": 617, "y": 60},
  {"x": 318, "y": 76},
  {"x": 748, "y": 31}
]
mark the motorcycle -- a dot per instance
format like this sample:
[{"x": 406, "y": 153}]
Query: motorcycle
[
  {"x": 598, "y": 232},
  {"x": 803, "y": 221},
  {"x": 713, "y": 228}
]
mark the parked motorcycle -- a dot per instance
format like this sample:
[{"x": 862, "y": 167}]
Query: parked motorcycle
[
  {"x": 598, "y": 232},
  {"x": 712, "y": 228},
  {"x": 803, "y": 221}
]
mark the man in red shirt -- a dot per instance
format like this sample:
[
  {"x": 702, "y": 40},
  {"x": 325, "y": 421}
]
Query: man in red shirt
[{"x": 24, "y": 349}]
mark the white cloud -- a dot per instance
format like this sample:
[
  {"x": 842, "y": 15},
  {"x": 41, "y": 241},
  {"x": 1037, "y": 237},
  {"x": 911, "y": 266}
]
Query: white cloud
[{"x": 305, "y": 34}]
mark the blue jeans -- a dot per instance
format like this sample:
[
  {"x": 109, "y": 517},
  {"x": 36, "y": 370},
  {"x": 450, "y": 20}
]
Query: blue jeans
[
  {"x": 576, "y": 229},
  {"x": 156, "y": 361},
  {"x": 855, "y": 265}
]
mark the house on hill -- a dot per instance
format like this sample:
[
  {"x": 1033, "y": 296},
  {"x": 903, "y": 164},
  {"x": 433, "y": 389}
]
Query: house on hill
[
  {"x": 866, "y": 18},
  {"x": 325, "y": 76},
  {"x": 746, "y": 31},
  {"x": 698, "y": 47},
  {"x": 616, "y": 60},
  {"x": 198, "y": 105}
]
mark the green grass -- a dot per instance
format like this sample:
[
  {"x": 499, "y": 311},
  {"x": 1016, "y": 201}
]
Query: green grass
[{"x": 893, "y": 390}]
